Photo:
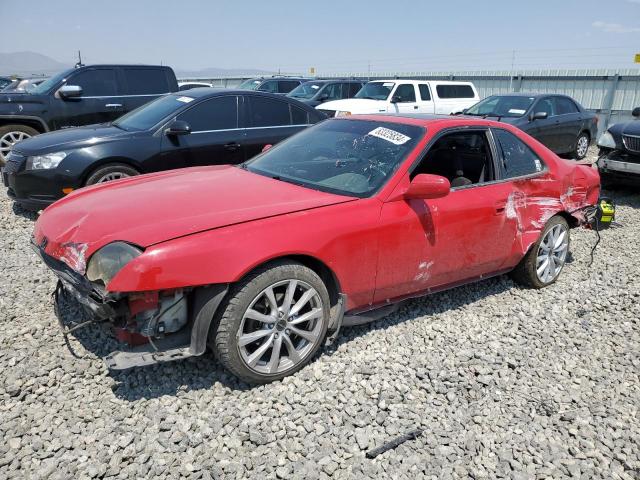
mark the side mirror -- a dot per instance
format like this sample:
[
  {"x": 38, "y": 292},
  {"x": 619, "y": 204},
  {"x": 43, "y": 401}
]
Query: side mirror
[
  {"x": 538, "y": 116},
  {"x": 425, "y": 186},
  {"x": 266, "y": 147},
  {"x": 396, "y": 99},
  {"x": 323, "y": 97},
  {"x": 178, "y": 127},
  {"x": 636, "y": 112},
  {"x": 70, "y": 91}
]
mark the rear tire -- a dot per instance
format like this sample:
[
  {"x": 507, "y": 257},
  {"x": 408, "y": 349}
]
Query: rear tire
[
  {"x": 582, "y": 146},
  {"x": 112, "y": 171},
  {"x": 273, "y": 323},
  {"x": 542, "y": 265},
  {"x": 12, "y": 134}
]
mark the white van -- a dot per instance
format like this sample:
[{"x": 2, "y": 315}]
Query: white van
[{"x": 405, "y": 96}]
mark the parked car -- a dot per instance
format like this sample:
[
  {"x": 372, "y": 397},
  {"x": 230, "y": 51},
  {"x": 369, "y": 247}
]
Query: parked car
[
  {"x": 23, "y": 85},
  {"x": 619, "y": 159},
  {"x": 262, "y": 260},
  {"x": 557, "y": 121},
  {"x": 281, "y": 85},
  {"x": 405, "y": 96},
  {"x": 189, "y": 85},
  {"x": 316, "y": 92},
  {"x": 5, "y": 82},
  {"x": 80, "y": 96},
  {"x": 203, "y": 126}
]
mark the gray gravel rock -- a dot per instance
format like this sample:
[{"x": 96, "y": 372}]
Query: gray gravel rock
[{"x": 506, "y": 382}]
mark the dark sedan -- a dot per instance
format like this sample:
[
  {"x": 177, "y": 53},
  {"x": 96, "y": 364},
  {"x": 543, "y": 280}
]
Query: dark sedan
[
  {"x": 619, "y": 159},
  {"x": 557, "y": 121},
  {"x": 318, "y": 91},
  {"x": 203, "y": 126}
]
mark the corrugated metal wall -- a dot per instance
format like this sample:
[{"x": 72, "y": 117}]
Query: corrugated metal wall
[{"x": 612, "y": 94}]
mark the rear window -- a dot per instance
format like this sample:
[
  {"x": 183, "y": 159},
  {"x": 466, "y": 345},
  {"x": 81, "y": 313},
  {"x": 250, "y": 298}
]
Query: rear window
[
  {"x": 145, "y": 81},
  {"x": 267, "y": 112},
  {"x": 455, "y": 91}
]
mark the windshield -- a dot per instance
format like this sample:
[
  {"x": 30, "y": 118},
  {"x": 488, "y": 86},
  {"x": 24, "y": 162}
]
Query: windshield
[
  {"x": 375, "y": 90},
  {"x": 251, "y": 84},
  {"x": 146, "y": 116},
  {"x": 501, "y": 106},
  {"x": 48, "y": 84},
  {"x": 306, "y": 90},
  {"x": 348, "y": 157}
]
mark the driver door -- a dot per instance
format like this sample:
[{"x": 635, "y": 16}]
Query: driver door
[{"x": 404, "y": 99}]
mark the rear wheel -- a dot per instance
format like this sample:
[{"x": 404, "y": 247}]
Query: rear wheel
[
  {"x": 582, "y": 146},
  {"x": 273, "y": 323},
  {"x": 542, "y": 265},
  {"x": 12, "y": 134},
  {"x": 112, "y": 171}
]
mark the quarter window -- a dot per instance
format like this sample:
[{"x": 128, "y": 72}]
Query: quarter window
[
  {"x": 425, "y": 94},
  {"x": 96, "y": 83},
  {"x": 215, "y": 114},
  {"x": 406, "y": 92},
  {"x": 267, "y": 112},
  {"x": 517, "y": 158},
  {"x": 145, "y": 81},
  {"x": 299, "y": 116},
  {"x": 455, "y": 91}
]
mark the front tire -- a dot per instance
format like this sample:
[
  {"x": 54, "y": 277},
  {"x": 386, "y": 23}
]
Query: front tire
[
  {"x": 541, "y": 266},
  {"x": 12, "y": 134},
  {"x": 272, "y": 324},
  {"x": 582, "y": 146},
  {"x": 112, "y": 171}
]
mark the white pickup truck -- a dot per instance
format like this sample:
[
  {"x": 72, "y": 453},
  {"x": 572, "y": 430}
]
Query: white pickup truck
[{"x": 405, "y": 96}]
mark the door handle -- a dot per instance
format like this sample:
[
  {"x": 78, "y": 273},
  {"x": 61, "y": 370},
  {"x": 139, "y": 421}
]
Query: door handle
[
  {"x": 415, "y": 107},
  {"x": 113, "y": 105},
  {"x": 232, "y": 146}
]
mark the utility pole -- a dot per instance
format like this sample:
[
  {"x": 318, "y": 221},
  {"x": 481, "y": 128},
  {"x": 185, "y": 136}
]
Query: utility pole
[
  {"x": 369, "y": 71},
  {"x": 513, "y": 61}
]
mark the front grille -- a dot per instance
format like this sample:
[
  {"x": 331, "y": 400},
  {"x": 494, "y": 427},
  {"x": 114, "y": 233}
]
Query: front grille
[
  {"x": 13, "y": 163},
  {"x": 329, "y": 113},
  {"x": 631, "y": 143}
]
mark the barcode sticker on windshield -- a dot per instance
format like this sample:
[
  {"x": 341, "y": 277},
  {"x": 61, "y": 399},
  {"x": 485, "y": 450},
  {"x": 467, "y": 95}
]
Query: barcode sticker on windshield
[
  {"x": 387, "y": 84},
  {"x": 315, "y": 87},
  {"x": 185, "y": 99},
  {"x": 517, "y": 111},
  {"x": 389, "y": 135}
]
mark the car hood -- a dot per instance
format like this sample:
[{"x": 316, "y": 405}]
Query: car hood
[
  {"x": 356, "y": 105},
  {"x": 627, "y": 128},
  {"x": 154, "y": 208},
  {"x": 71, "y": 138}
]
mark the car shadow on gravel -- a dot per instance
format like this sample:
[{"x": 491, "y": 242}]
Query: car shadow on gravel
[{"x": 22, "y": 212}]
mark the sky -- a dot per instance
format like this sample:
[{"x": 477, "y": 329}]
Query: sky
[{"x": 334, "y": 36}]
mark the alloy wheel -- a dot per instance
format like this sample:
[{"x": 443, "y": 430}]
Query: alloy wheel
[
  {"x": 112, "y": 176},
  {"x": 281, "y": 326},
  {"x": 552, "y": 253},
  {"x": 583, "y": 146},
  {"x": 9, "y": 139}
]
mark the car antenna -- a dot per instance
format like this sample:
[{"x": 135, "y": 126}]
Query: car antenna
[{"x": 79, "y": 64}]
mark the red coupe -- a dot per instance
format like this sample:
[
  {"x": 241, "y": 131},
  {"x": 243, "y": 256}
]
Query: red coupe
[{"x": 265, "y": 261}]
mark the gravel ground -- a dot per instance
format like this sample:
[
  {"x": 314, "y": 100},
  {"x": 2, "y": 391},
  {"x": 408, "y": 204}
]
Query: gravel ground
[{"x": 505, "y": 382}]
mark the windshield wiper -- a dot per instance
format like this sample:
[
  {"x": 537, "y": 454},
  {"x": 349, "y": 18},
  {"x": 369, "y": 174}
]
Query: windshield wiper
[{"x": 492, "y": 114}]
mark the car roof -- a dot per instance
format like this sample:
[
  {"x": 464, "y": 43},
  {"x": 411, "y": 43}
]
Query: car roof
[
  {"x": 210, "y": 92},
  {"x": 425, "y": 119},
  {"x": 336, "y": 80},
  {"x": 528, "y": 95}
]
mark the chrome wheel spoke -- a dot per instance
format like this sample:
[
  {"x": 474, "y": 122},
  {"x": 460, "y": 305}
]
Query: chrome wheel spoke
[
  {"x": 252, "y": 360},
  {"x": 248, "y": 338},
  {"x": 542, "y": 268},
  {"x": 315, "y": 313},
  {"x": 308, "y": 336},
  {"x": 293, "y": 354},
  {"x": 288, "y": 297},
  {"x": 271, "y": 299},
  {"x": 274, "y": 361},
  {"x": 304, "y": 299},
  {"x": 260, "y": 317}
]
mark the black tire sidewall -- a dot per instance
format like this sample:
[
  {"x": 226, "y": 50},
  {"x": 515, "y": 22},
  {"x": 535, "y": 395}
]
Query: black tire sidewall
[
  {"x": 229, "y": 318},
  {"x": 110, "y": 168}
]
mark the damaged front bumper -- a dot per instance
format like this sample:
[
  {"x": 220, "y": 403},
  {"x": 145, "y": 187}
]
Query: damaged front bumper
[{"x": 620, "y": 167}]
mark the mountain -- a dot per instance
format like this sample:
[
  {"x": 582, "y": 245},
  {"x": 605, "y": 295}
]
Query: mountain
[{"x": 29, "y": 63}]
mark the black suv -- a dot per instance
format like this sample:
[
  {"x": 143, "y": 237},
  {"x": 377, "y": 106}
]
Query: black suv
[
  {"x": 315, "y": 92},
  {"x": 281, "y": 85},
  {"x": 202, "y": 126},
  {"x": 80, "y": 96}
]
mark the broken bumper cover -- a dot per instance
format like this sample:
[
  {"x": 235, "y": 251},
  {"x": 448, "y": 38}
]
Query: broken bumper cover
[
  {"x": 621, "y": 167},
  {"x": 80, "y": 287}
]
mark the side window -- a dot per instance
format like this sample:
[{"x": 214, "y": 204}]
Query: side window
[
  {"x": 96, "y": 83},
  {"x": 564, "y": 105},
  {"x": 267, "y": 112},
  {"x": 406, "y": 92},
  {"x": 145, "y": 81},
  {"x": 544, "y": 105},
  {"x": 462, "y": 157},
  {"x": 299, "y": 116},
  {"x": 454, "y": 91},
  {"x": 517, "y": 158},
  {"x": 270, "y": 86},
  {"x": 334, "y": 91},
  {"x": 354, "y": 88},
  {"x": 285, "y": 86},
  {"x": 215, "y": 114},
  {"x": 425, "y": 94}
]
